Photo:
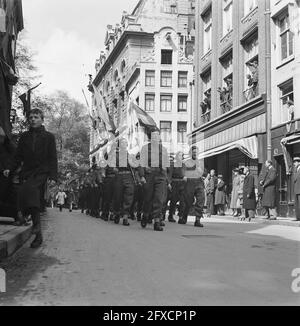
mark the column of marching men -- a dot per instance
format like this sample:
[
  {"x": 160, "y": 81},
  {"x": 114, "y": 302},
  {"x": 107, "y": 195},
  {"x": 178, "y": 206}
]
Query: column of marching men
[{"x": 127, "y": 191}]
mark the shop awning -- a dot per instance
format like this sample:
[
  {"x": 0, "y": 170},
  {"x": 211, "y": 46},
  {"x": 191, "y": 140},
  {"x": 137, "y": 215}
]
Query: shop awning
[
  {"x": 291, "y": 140},
  {"x": 248, "y": 146}
]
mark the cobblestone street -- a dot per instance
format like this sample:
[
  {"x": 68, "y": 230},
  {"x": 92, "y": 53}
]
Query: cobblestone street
[{"x": 86, "y": 261}]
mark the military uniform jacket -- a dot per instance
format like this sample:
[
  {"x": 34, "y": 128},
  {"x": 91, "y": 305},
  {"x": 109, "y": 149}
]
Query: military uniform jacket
[{"x": 297, "y": 182}]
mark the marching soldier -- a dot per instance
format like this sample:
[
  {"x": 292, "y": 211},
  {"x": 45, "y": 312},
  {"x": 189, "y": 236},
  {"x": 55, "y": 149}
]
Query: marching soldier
[
  {"x": 153, "y": 174},
  {"x": 176, "y": 175},
  {"x": 123, "y": 185},
  {"x": 194, "y": 188}
]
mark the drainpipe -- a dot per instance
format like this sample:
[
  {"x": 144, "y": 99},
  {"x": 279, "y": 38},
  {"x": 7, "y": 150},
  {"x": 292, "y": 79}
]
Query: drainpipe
[{"x": 268, "y": 78}]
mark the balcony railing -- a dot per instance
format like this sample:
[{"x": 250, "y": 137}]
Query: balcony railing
[
  {"x": 205, "y": 117},
  {"x": 226, "y": 106},
  {"x": 250, "y": 93}
]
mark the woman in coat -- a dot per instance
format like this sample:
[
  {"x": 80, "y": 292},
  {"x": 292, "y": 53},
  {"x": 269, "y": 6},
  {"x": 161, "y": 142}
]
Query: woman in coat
[
  {"x": 249, "y": 197},
  {"x": 220, "y": 196},
  {"x": 235, "y": 192}
]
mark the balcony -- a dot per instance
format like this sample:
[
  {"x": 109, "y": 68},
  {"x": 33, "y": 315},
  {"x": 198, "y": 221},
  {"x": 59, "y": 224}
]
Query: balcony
[
  {"x": 226, "y": 106},
  {"x": 250, "y": 93},
  {"x": 205, "y": 117}
]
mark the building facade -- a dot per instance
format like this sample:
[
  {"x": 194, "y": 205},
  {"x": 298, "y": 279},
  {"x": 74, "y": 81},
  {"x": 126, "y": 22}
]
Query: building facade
[
  {"x": 285, "y": 53},
  {"x": 149, "y": 59},
  {"x": 11, "y": 23},
  {"x": 231, "y": 85}
]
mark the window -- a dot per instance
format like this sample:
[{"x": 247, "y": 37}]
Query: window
[
  {"x": 116, "y": 76},
  {"x": 226, "y": 90},
  {"x": 166, "y": 57},
  {"x": 287, "y": 100},
  {"x": 286, "y": 37},
  {"x": 150, "y": 78},
  {"x": 207, "y": 19},
  {"x": 166, "y": 131},
  {"x": 251, "y": 68},
  {"x": 166, "y": 79},
  {"x": 182, "y": 79},
  {"x": 170, "y": 7},
  {"x": 249, "y": 5},
  {"x": 123, "y": 66},
  {"x": 205, "y": 105},
  {"x": 227, "y": 16},
  {"x": 182, "y": 132},
  {"x": 182, "y": 103},
  {"x": 166, "y": 103},
  {"x": 149, "y": 102}
]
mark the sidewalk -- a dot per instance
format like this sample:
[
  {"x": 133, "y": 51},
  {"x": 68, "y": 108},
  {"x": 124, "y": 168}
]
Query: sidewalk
[
  {"x": 12, "y": 237},
  {"x": 287, "y": 221}
]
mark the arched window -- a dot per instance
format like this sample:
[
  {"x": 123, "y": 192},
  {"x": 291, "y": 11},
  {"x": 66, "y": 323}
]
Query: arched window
[
  {"x": 107, "y": 86},
  {"x": 123, "y": 66},
  {"x": 116, "y": 76}
]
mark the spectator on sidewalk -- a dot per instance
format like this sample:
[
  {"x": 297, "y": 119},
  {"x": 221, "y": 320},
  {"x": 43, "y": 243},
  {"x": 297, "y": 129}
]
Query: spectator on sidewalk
[
  {"x": 220, "y": 197},
  {"x": 249, "y": 198},
  {"x": 36, "y": 153},
  {"x": 235, "y": 192},
  {"x": 60, "y": 198},
  {"x": 297, "y": 186},
  {"x": 269, "y": 190}
]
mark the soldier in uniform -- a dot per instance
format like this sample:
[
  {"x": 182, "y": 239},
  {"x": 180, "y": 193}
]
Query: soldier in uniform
[
  {"x": 176, "y": 175},
  {"x": 109, "y": 174},
  {"x": 194, "y": 188},
  {"x": 153, "y": 174},
  {"x": 123, "y": 185}
]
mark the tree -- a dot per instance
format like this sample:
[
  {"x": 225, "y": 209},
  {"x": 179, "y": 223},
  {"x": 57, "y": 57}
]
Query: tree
[{"x": 67, "y": 120}]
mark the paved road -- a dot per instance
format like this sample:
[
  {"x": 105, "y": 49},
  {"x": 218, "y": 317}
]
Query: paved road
[{"x": 86, "y": 261}]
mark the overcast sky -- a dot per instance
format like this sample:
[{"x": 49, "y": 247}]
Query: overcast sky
[{"x": 68, "y": 36}]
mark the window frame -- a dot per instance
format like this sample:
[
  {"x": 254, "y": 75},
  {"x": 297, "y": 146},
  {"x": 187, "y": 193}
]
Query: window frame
[
  {"x": 227, "y": 5},
  {"x": 166, "y": 131},
  {"x": 180, "y": 97},
  {"x": 180, "y": 78},
  {"x": 181, "y": 135},
  {"x": 165, "y": 98},
  {"x": 149, "y": 96},
  {"x": 163, "y": 54},
  {"x": 170, "y": 79},
  {"x": 152, "y": 78},
  {"x": 289, "y": 35},
  {"x": 207, "y": 30}
]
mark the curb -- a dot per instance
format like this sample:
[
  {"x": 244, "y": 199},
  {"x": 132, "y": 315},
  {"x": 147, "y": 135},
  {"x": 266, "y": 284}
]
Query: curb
[{"x": 11, "y": 241}]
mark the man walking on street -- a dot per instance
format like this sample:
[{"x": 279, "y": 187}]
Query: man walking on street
[
  {"x": 194, "y": 188},
  {"x": 269, "y": 190},
  {"x": 37, "y": 152},
  {"x": 297, "y": 187}
]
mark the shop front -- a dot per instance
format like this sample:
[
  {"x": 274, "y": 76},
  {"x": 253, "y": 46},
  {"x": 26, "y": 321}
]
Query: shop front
[{"x": 285, "y": 146}]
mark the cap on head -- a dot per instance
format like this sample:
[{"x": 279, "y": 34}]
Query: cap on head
[{"x": 296, "y": 159}]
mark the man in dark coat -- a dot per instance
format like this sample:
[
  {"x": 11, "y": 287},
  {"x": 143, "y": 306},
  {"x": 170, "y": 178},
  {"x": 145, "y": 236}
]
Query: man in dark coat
[
  {"x": 269, "y": 190},
  {"x": 297, "y": 186},
  {"x": 37, "y": 152},
  {"x": 249, "y": 200}
]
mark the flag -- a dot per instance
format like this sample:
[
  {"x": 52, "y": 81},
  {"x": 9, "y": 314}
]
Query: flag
[
  {"x": 26, "y": 98},
  {"x": 144, "y": 119},
  {"x": 101, "y": 110}
]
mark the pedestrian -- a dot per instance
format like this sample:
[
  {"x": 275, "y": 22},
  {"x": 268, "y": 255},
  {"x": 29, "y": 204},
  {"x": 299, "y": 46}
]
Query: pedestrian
[
  {"x": 109, "y": 174},
  {"x": 220, "y": 196},
  {"x": 176, "y": 175},
  {"x": 269, "y": 190},
  {"x": 153, "y": 175},
  {"x": 138, "y": 201},
  {"x": 249, "y": 197},
  {"x": 71, "y": 199},
  {"x": 81, "y": 198},
  {"x": 123, "y": 185},
  {"x": 194, "y": 188},
  {"x": 211, "y": 198},
  {"x": 36, "y": 153},
  {"x": 236, "y": 181},
  {"x": 60, "y": 198},
  {"x": 207, "y": 192},
  {"x": 297, "y": 186}
]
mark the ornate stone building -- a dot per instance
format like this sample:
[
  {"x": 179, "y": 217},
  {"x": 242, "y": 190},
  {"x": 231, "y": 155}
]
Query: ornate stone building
[{"x": 149, "y": 59}]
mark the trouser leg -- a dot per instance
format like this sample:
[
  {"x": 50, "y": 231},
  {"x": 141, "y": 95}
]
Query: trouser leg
[
  {"x": 159, "y": 195},
  {"x": 297, "y": 206},
  {"x": 200, "y": 198},
  {"x": 148, "y": 194},
  {"x": 188, "y": 198},
  {"x": 128, "y": 196}
]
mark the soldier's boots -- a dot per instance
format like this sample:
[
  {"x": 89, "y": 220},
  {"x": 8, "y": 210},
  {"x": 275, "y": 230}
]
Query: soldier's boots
[
  {"x": 111, "y": 217},
  {"x": 182, "y": 221},
  {"x": 125, "y": 222},
  {"x": 104, "y": 217},
  {"x": 144, "y": 221},
  {"x": 162, "y": 223},
  {"x": 38, "y": 240},
  {"x": 171, "y": 219},
  {"x": 139, "y": 217},
  {"x": 158, "y": 227},
  {"x": 198, "y": 224},
  {"x": 117, "y": 219}
]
